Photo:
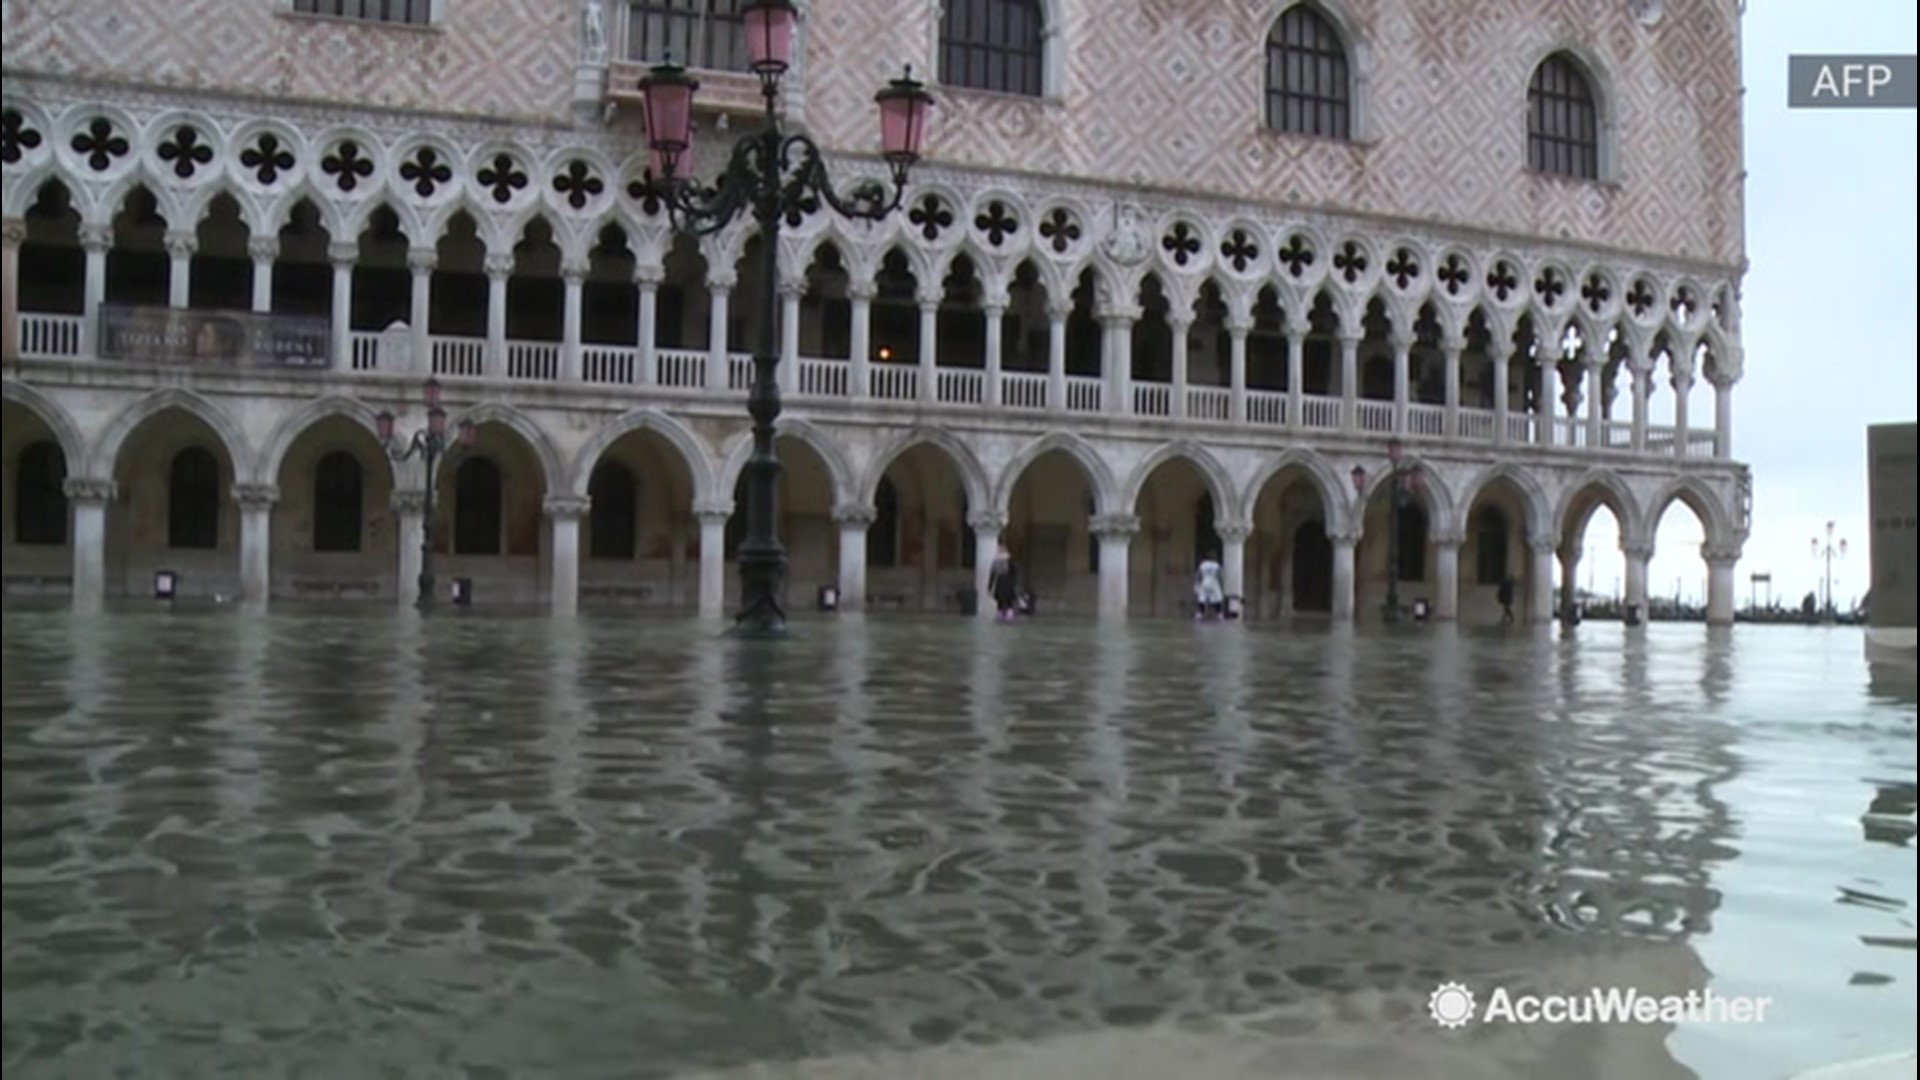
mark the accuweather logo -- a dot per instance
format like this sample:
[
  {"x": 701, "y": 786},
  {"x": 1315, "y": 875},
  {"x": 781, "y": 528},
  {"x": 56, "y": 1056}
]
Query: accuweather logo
[{"x": 1452, "y": 1005}]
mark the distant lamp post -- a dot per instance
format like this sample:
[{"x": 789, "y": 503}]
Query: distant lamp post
[
  {"x": 1829, "y": 550},
  {"x": 429, "y": 444},
  {"x": 1402, "y": 481},
  {"x": 770, "y": 175}
]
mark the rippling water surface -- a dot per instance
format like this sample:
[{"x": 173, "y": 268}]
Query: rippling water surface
[{"x": 325, "y": 845}]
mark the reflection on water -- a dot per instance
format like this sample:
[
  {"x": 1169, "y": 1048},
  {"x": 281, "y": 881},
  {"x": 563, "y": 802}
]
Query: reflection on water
[{"x": 248, "y": 844}]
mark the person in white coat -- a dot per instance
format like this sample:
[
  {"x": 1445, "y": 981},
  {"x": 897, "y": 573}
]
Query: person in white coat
[{"x": 1209, "y": 595}]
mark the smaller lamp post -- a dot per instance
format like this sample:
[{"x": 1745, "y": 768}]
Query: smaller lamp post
[
  {"x": 1402, "y": 482},
  {"x": 1829, "y": 550},
  {"x": 429, "y": 444}
]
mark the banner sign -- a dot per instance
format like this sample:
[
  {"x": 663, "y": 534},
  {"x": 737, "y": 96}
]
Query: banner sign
[{"x": 219, "y": 339}]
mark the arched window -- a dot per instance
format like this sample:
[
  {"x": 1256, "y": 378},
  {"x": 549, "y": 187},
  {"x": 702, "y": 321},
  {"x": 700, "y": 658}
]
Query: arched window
[
  {"x": 614, "y": 518},
  {"x": 337, "y": 503},
  {"x": 697, "y": 33},
  {"x": 477, "y": 511},
  {"x": 997, "y": 45},
  {"x": 1206, "y": 537},
  {"x": 1563, "y": 124},
  {"x": 1309, "y": 83},
  {"x": 883, "y": 536},
  {"x": 1413, "y": 542},
  {"x": 40, "y": 496},
  {"x": 1490, "y": 546},
  {"x": 193, "y": 499}
]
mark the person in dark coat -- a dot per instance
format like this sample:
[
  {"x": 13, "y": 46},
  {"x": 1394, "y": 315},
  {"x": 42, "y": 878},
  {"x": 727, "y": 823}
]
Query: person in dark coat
[
  {"x": 1506, "y": 599},
  {"x": 1003, "y": 582}
]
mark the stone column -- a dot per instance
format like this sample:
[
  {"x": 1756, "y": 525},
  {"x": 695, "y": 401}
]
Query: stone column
[
  {"x": 410, "y": 512},
  {"x": 1446, "y": 576},
  {"x": 1233, "y": 559},
  {"x": 1452, "y": 345},
  {"x": 646, "y": 335},
  {"x": 563, "y": 519},
  {"x": 573, "y": 277},
  {"x": 1596, "y": 405},
  {"x": 1344, "y": 544},
  {"x": 181, "y": 244},
  {"x": 929, "y": 347},
  {"x": 854, "y": 521},
  {"x": 88, "y": 498},
  {"x": 1117, "y": 360},
  {"x": 1238, "y": 327},
  {"x": 1722, "y": 416},
  {"x": 1181, "y": 324},
  {"x": 1115, "y": 533},
  {"x": 1548, "y": 355},
  {"x": 789, "y": 371},
  {"x": 1540, "y": 579},
  {"x": 1402, "y": 346},
  {"x": 421, "y": 262},
  {"x": 263, "y": 250},
  {"x": 499, "y": 266},
  {"x": 988, "y": 526},
  {"x": 343, "y": 255},
  {"x": 15, "y": 232},
  {"x": 1638, "y": 557},
  {"x": 718, "y": 296},
  {"x": 995, "y": 314},
  {"x": 1349, "y": 380},
  {"x": 1297, "y": 331},
  {"x": 712, "y": 514},
  {"x": 1057, "y": 312},
  {"x": 859, "y": 336},
  {"x": 1682, "y": 385},
  {"x": 1720, "y": 585},
  {"x": 1502, "y": 390},
  {"x": 1569, "y": 581},
  {"x": 256, "y": 541},
  {"x": 96, "y": 240}
]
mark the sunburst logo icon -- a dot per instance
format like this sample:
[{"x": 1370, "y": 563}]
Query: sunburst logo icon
[{"x": 1451, "y": 1005}]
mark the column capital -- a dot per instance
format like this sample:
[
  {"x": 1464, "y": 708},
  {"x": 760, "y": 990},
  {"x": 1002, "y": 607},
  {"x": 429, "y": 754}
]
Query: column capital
[
  {"x": 1447, "y": 538},
  {"x": 1546, "y": 542},
  {"x": 1452, "y": 342},
  {"x": 994, "y": 300},
  {"x": 1232, "y": 531},
  {"x": 648, "y": 275},
  {"x": 709, "y": 511},
  {"x": 1059, "y": 308},
  {"x": 1401, "y": 340},
  {"x": 422, "y": 260},
  {"x": 720, "y": 280},
  {"x": 987, "y": 521},
  {"x": 263, "y": 248},
  {"x": 793, "y": 288},
  {"x": 408, "y": 502},
  {"x": 89, "y": 489},
  {"x": 1636, "y": 550},
  {"x": 96, "y": 237},
  {"x": 1720, "y": 554},
  {"x": 1180, "y": 321},
  {"x": 1116, "y": 526},
  {"x": 1344, "y": 536},
  {"x": 929, "y": 299},
  {"x": 499, "y": 264},
  {"x": 566, "y": 507},
  {"x": 1120, "y": 316},
  {"x": 861, "y": 290},
  {"x": 574, "y": 271},
  {"x": 343, "y": 253},
  {"x": 1349, "y": 337},
  {"x": 854, "y": 516},
  {"x": 256, "y": 496},
  {"x": 15, "y": 231},
  {"x": 182, "y": 243}
]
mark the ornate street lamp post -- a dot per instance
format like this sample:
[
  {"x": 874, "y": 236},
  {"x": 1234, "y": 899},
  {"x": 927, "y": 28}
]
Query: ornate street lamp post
[
  {"x": 429, "y": 444},
  {"x": 1829, "y": 550},
  {"x": 1402, "y": 482},
  {"x": 770, "y": 175}
]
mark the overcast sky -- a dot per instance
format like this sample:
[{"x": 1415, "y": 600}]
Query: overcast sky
[{"x": 1827, "y": 312}]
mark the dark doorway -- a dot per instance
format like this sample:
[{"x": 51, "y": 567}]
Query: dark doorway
[
  {"x": 1312, "y": 568},
  {"x": 613, "y": 522}
]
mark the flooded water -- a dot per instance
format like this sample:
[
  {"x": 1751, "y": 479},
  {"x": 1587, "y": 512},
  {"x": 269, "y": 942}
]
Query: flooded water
[{"x": 372, "y": 845}]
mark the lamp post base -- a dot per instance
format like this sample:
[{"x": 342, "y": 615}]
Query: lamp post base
[{"x": 763, "y": 567}]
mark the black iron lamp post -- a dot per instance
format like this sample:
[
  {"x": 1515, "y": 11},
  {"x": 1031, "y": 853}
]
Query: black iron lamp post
[
  {"x": 1402, "y": 482},
  {"x": 772, "y": 176},
  {"x": 429, "y": 444},
  {"x": 1829, "y": 550}
]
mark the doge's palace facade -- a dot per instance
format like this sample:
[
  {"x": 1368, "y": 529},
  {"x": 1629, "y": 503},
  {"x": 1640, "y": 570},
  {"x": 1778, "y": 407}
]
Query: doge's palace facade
[{"x": 1173, "y": 278}]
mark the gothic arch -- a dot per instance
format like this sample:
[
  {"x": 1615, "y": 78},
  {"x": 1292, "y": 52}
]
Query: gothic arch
[
  {"x": 839, "y": 472},
  {"x": 289, "y": 430},
  {"x": 65, "y": 431},
  {"x": 973, "y": 476},
  {"x": 1539, "y": 508},
  {"x": 1099, "y": 475},
  {"x": 1607, "y": 485},
  {"x": 106, "y": 451},
  {"x": 1715, "y": 523},
  {"x": 552, "y": 470},
  {"x": 1433, "y": 493},
  {"x": 1319, "y": 473},
  {"x": 693, "y": 450},
  {"x": 1226, "y": 501}
]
